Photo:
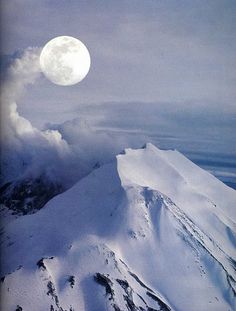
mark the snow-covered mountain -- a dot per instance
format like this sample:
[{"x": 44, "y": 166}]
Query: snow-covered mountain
[{"x": 148, "y": 231}]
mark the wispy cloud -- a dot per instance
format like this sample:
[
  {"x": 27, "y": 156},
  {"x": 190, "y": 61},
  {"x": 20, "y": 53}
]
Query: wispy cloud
[
  {"x": 161, "y": 71},
  {"x": 63, "y": 152}
]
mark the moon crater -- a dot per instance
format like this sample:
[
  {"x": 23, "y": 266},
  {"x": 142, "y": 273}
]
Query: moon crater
[{"x": 65, "y": 60}]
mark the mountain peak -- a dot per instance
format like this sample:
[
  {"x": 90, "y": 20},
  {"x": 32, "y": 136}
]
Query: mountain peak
[{"x": 149, "y": 231}]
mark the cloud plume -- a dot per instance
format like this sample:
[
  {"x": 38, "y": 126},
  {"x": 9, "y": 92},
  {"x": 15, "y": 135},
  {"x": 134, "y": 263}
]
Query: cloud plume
[
  {"x": 25, "y": 149},
  {"x": 64, "y": 152}
]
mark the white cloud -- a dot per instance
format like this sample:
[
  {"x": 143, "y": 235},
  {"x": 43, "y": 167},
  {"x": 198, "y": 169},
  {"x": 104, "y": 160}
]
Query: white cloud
[
  {"x": 63, "y": 152},
  {"x": 67, "y": 151},
  {"x": 22, "y": 143}
]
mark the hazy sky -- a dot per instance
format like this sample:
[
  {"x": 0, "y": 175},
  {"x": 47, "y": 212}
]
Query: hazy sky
[
  {"x": 162, "y": 71},
  {"x": 147, "y": 51}
]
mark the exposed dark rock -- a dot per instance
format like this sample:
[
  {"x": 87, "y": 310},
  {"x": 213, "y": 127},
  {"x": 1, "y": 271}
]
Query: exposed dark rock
[
  {"x": 28, "y": 195},
  {"x": 162, "y": 305},
  {"x": 123, "y": 283},
  {"x": 130, "y": 304},
  {"x": 60, "y": 309},
  {"x": 41, "y": 264},
  {"x": 142, "y": 299},
  {"x": 52, "y": 292},
  {"x": 116, "y": 308},
  {"x": 129, "y": 294},
  {"x": 71, "y": 281},
  {"x": 106, "y": 282},
  {"x": 139, "y": 281},
  {"x": 19, "y": 308}
]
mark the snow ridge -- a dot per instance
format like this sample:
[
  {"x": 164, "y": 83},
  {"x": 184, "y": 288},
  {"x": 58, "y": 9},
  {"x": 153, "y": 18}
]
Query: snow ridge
[{"x": 149, "y": 231}]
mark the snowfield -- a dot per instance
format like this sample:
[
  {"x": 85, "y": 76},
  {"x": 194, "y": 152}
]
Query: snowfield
[{"x": 148, "y": 231}]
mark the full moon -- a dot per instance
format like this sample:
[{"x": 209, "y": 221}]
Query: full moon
[{"x": 65, "y": 60}]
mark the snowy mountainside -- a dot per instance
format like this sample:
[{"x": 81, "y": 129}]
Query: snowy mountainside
[{"x": 149, "y": 231}]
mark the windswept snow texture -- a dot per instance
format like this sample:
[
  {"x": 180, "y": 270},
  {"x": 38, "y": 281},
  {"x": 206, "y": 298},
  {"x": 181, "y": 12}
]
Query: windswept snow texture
[{"x": 149, "y": 231}]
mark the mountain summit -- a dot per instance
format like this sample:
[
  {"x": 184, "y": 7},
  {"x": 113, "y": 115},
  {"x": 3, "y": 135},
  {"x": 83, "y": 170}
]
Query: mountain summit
[{"x": 148, "y": 231}]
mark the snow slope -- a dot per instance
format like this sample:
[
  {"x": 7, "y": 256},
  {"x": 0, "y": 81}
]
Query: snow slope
[{"x": 149, "y": 231}]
